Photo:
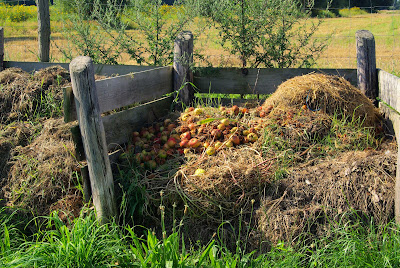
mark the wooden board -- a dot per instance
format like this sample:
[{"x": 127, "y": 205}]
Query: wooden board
[
  {"x": 389, "y": 89},
  {"x": 101, "y": 69},
  {"x": 389, "y": 93},
  {"x": 120, "y": 126},
  {"x": 233, "y": 81},
  {"x": 121, "y": 91}
]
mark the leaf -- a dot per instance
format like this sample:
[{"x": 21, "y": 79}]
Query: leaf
[{"x": 208, "y": 120}]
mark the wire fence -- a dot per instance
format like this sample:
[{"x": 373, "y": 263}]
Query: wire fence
[{"x": 21, "y": 42}]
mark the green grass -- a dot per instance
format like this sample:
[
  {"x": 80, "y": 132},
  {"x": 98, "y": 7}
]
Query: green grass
[{"x": 86, "y": 243}]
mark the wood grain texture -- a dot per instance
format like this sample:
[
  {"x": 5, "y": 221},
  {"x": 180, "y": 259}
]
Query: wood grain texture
[
  {"x": 232, "y": 81},
  {"x": 43, "y": 16},
  {"x": 120, "y": 126},
  {"x": 366, "y": 64},
  {"x": 93, "y": 137},
  {"x": 1, "y": 49},
  {"x": 100, "y": 69},
  {"x": 120, "y": 91},
  {"x": 389, "y": 92},
  {"x": 183, "y": 59}
]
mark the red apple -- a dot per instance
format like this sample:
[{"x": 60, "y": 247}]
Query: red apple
[
  {"x": 184, "y": 143},
  {"x": 171, "y": 142},
  {"x": 194, "y": 143},
  {"x": 185, "y": 135}
]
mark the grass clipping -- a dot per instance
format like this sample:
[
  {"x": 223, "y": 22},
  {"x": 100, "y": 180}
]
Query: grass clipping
[{"x": 326, "y": 93}]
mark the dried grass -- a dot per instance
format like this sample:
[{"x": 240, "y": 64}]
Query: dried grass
[
  {"x": 319, "y": 194},
  {"x": 326, "y": 93},
  {"x": 42, "y": 172}
]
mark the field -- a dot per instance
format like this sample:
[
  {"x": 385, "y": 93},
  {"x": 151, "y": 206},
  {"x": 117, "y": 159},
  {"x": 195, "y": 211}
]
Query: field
[
  {"x": 21, "y": 41},
  {"x": 305, "y": 184}
]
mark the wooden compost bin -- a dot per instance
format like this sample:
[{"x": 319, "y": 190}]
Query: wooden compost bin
[{"x": 87, "y": 100}]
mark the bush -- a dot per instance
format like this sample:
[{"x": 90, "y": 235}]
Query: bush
[
  {"x": 17, "y": 13},
  {"x": 354, "y": 11},
  {"x": 323, "y": 13}
]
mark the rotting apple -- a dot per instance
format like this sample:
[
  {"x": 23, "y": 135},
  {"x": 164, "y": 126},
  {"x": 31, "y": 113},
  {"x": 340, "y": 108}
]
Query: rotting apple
[
  {"x": 210, "y": 150},
  {"x": 194, "y": 142},
  {"x": 186, "y": 135}
]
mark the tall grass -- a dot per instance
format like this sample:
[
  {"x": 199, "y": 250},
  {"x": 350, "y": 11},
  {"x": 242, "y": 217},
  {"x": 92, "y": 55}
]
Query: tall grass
[{"x": 85, "y": 243}]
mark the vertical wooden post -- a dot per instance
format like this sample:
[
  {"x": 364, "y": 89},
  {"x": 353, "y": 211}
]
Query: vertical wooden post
[
  {"x": 93, "y": 137},
  {"x": 1, "y": 49},
  {"x": 43, "y": 29},
  {"x": 366, "y": 64},
  {"x": 183, "y": 59}
]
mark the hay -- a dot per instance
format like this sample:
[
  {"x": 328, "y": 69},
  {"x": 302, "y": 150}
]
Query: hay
[
  {"x": 318, "y": 195},
  {"x": 22, "y": 93},
  {"x": 326, "y": 93},
  {"x": 42, "y": 172},
  {"x": 233, "y": 178}
]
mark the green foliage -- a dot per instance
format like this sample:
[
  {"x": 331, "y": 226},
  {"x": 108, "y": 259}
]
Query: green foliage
[
  {"x": 87, "y": 36},
  {"x": 158, "y": 24},
  {"x": 269, "y": 33},
  {"x": 17, "y": 13},
  {"x": 350, "y": 12}
]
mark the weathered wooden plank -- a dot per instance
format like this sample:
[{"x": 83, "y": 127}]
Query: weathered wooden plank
[
  {"x": 69, "y": 105},
  {"x": 120, "y": 126},
  {"x": 232, "y": 81},
  {"x": 1, "y": 49},
  {"x": 93, "y": 137},
  {"x": 183, "y": 59},
  {"x": 389, "y": 89},
  {"x": 366, "y": 64},
  {"x": 100, "y": 69},
  {"x": 117, "y": 92},
  {"x": 389, "y": 92},
  {"x": 43, "y": 17}
]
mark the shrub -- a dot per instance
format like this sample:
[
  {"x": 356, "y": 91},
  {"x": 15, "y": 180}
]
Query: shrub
[
  {"x": 354, "y": 11},
  {"x": 17, "y": 13}
]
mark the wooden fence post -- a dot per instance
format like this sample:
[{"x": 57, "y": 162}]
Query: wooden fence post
[
  {"x": 93, "y": 137},
  {"x": 1, "y": 49},
  {"x": 366, "y": 64},
  {"x": 183, "y": 59},
  {"x": 43, "y": 30}
]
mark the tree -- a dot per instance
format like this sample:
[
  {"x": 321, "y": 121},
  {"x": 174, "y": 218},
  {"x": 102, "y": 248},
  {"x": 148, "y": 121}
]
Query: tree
[{"x": 273, "y": 33}]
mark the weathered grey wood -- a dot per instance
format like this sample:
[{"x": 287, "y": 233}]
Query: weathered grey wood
[
  {"x": 100, "y": 69},
  {"x": 120, "y": 126},
  {"x": 366, "y": 64},
  {"x": 93, "y": 137},
  {"x": 389, "y": 93},
  {"x": 183, "y": 59},
  {"x": 232, "y": 81},
  {"x": 43, "y": 15},
  {"x": 121, "y": 91},
  {"x": 389, "y": 89},
  {"x": 1, "y": 49},
  {"x": 69, "y": 105}
]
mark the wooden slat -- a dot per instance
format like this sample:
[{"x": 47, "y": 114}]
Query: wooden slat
[
  {"x": 100, "y": 69},
  {"x": 232, "y": 81},
  {"x": 120, "y": 91},
  {"x": 389, "y": 92},
  {"x": 120, "y": 126},
  {"x": 389, "y": 89}
]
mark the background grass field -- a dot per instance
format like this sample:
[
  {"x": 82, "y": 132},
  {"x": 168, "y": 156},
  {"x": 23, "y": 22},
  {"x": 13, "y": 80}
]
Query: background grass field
[{"x": 21, "y": 39}]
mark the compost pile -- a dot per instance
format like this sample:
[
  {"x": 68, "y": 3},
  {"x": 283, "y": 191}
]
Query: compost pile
[
  {"x": 36, "y": 161},
  {"x": 226, "y": 163}
]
